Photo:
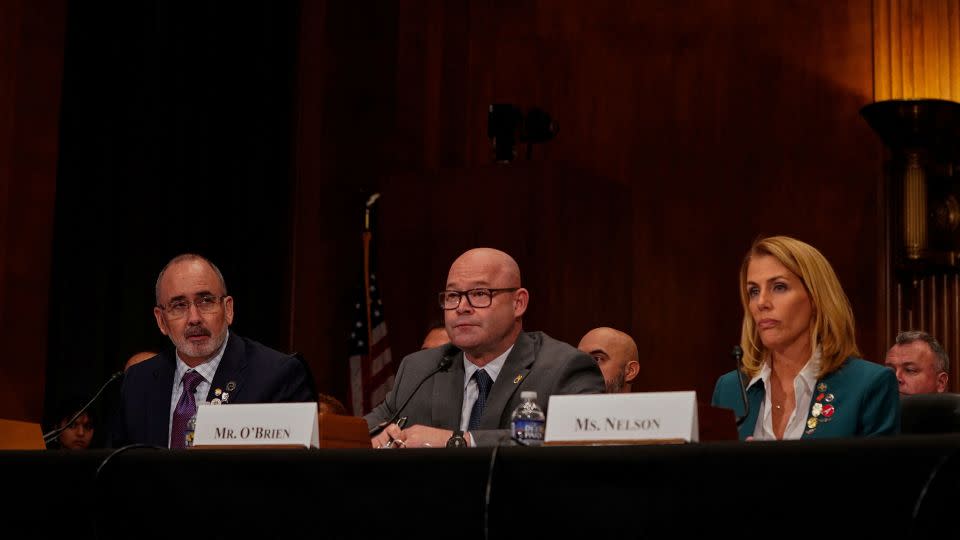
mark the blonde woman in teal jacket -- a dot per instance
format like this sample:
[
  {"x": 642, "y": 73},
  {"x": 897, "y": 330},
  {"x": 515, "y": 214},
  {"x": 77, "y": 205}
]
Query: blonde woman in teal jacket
[{"x": 801, "y": 367}]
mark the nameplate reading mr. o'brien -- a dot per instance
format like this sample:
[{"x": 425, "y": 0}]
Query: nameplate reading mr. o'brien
[
  {"x": 622, "y": 418},
  {"x": 257, "y": 424}
]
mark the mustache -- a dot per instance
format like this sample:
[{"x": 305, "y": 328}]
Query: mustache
[{"x": 196, "y": 331}]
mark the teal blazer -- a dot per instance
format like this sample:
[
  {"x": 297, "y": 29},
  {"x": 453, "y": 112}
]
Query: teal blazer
[{"x": 860, "y": 399}]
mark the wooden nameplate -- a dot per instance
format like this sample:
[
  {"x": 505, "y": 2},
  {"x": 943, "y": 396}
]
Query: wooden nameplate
[{"x": 16, "y": 435}]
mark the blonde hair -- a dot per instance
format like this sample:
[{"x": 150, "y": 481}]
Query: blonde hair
[{"x": 832, "y": 328}]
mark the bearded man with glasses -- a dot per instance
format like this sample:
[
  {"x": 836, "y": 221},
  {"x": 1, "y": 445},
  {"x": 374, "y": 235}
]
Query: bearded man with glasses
[
  {"x": 159, "y": 397},
  {"x": 464, "y": 393}
]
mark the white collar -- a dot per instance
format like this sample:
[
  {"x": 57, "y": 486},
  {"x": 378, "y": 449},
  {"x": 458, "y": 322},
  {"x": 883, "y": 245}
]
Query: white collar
[
  {"x": 492, "y": 368},
  {"x": 808, "y": 374}
]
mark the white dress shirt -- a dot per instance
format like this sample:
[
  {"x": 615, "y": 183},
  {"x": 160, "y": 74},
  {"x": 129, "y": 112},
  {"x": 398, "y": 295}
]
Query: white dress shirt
[
  {"x": 803, "y": 386},
  {"x": 206, "y": 370}
]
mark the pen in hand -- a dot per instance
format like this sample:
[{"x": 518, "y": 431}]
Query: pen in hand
[{"x": 402, "y": 421}]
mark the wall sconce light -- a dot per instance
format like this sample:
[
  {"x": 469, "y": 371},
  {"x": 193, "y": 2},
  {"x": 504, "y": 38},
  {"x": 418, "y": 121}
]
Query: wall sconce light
[{"x": 919, "y": 132}]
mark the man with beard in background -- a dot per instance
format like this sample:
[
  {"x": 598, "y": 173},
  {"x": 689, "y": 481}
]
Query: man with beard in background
[{"x": 617, "y": 355}]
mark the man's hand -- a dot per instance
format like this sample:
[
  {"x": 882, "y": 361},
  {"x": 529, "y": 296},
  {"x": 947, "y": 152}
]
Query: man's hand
[
  {"x": 387, "y": 437},
  {"x": 417, "y": 436},
  {"x": 425, "y": 437}
]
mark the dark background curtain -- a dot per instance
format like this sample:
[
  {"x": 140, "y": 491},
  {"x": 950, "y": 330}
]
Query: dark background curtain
[{"x": 175, "y": 137}]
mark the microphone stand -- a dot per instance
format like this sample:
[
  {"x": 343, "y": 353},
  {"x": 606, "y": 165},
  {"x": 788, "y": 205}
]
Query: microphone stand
[
  {"x": 738, "y": 356},
  {"x": 51, "y": 435},
  {"x": 444, "y": 365}
]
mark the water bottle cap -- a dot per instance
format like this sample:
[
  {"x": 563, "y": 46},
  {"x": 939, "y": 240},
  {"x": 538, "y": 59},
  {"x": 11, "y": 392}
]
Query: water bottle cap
[{"x": 528, "y": 394}]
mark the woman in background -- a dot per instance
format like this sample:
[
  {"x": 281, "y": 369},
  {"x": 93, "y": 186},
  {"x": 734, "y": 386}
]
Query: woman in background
[{"x": 801, "y": 365}]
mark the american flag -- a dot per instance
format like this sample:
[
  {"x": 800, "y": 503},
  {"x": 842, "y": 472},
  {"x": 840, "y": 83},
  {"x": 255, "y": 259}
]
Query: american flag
[{"x": 371, "y": 366}]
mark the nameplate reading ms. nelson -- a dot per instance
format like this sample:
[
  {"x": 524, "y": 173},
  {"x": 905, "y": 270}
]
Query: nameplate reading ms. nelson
[
  {"x": 257, "y": 424},
  {"x": 635, "y": 418}
]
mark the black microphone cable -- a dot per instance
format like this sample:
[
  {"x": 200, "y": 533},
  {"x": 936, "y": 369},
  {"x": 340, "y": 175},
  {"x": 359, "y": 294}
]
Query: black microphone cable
[
  {"x": 738, "y": 356},
  {"x": 489, "y": 487},
  {"x": 444, "y": 365},
  {"x": 51, "y": 435},
  {"x": 487, "y": 491},
  {"x": 97, "y": 488},
  {"x": 944, "y": 460}
]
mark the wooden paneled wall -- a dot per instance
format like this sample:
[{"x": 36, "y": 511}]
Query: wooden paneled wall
[
  {"x": 31, "y": 68},
  {"x": 917, "y": 56},
  {"x": 931, "y": 304},
  {"x": 687, "y": 129}
]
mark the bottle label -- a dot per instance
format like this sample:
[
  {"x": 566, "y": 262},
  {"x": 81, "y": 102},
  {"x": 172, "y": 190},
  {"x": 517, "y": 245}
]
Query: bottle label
[{"x": 528, "y": 429}]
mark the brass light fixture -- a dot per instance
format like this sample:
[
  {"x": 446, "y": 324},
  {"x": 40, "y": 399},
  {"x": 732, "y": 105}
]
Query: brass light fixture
[{"x": 918, "y": 133}]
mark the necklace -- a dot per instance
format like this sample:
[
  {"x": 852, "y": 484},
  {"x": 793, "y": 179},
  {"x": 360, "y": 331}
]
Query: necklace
[{"x": 775, "y": 384}]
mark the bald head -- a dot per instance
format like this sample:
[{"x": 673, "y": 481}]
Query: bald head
[
  {"x": 137, "y": 358},
  {"x": 486, "y": 319},
  {"x": 617, "y": 355},
  {"x": 495, "y": 265}
]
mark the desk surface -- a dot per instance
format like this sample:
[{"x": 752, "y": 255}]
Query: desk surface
[{"x": 860, "y": 486}]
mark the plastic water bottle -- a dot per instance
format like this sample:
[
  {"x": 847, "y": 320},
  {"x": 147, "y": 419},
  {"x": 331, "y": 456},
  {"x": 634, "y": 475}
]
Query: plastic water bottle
[{"x": 528, "y": 420}]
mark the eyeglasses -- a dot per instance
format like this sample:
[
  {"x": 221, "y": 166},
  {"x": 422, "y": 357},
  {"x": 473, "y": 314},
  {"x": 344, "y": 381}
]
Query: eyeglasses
[
  {"x": 478, "y": 298},
  {"x": 205, "y": 304}
]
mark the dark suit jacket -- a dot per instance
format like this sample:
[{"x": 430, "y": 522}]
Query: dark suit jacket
[
  {"x": 863, "y": 395},
  {"x": 261, "y": 375},
  {"x": 537, "y": 362}
]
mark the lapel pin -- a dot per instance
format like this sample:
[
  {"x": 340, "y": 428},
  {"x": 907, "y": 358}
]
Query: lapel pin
[
  {"x": 820, "y": 397},
  {"x": 216, "y": 401},
  {"x": 224, "y": 397},
  {"x": 217, "y": 392},
  {"x": 816, "y": 409},
  {"x": 829, "y": 398},
  {"x": 822, "y": 387},
  {"x": 518, "y": 379},
  {"x": 828, "y": 410},
  {"x": 811, "y": 423},
  {"x": 231, "y": 386}
]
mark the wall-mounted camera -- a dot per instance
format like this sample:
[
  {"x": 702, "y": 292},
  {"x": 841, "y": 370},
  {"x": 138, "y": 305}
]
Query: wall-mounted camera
[{"x": 507, "y": 126}]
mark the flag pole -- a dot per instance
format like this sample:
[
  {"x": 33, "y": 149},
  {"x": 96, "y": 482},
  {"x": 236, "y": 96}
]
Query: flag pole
[{"x": 366, "y": 264}]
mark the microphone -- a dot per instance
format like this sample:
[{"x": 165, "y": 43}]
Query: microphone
[
  {"x": 738, "y": 356},
  {"x": 47, "y": 437},
  {"x": 444, "y": 365}
]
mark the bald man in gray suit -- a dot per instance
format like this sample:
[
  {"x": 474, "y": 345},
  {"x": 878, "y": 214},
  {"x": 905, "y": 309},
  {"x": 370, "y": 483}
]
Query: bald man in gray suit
[{"x": 490, "y": 360}]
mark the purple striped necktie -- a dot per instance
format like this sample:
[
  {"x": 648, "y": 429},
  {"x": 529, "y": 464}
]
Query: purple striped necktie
[{"x": 186, "y": 410}]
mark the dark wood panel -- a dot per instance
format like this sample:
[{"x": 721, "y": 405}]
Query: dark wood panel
[
  {"x": 558, "y": 222},
  {"x": 687, "y": 129},
  {"x": 345, "y": 116}
]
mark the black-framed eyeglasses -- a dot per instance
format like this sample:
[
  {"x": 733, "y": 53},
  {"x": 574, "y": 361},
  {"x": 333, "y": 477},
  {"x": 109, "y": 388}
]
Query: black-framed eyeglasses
[
  {"x": 206, "y": 304},
  {"x": 478, "y": 298}
]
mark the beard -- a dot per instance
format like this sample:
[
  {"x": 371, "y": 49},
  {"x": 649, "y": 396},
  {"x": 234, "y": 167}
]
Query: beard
[
  {"x": 205, "y": 349},
  {"x": 616, "y": 384}
]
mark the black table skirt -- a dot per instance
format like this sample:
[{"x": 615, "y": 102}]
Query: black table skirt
[{"x": 893, "y": 486}]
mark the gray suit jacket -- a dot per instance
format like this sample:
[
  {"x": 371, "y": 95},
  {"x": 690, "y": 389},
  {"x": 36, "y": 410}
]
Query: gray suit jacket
[{"x": 541, "y": 364}]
